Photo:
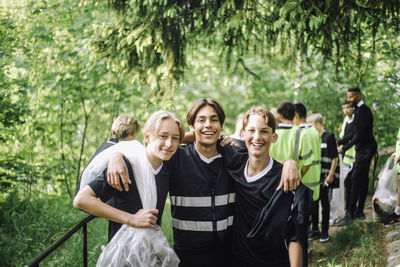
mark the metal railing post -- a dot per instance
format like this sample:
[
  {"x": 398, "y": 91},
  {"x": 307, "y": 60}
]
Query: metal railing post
[
  {"x": 63, "y": 239},
  {"x": 84, "y": 245}
]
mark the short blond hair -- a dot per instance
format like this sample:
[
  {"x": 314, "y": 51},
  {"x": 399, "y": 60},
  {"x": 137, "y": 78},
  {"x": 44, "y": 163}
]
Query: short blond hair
[
  {"x": 124, "y": 126},
  {"x": 153, "y": 124},
  {"x": 257, "y": 110},
  {"x": 316, "y": 118}
]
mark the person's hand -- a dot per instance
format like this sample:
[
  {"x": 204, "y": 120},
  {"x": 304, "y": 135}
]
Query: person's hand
[
  {"x": 117, "y": 169},
  {"x": 340, "y": 150},
  {"x": 290, "y": 178},
  {"x": 143, "y": 218},
  {"x": 226, "y": 140},
  {"x": 393, "y": 156},
  {"x": 189, "y": 138},
  {"x": 329, "y": 179}
]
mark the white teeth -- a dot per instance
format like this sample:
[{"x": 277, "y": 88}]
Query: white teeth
[
  {"x": 208, "y": 133},
  {"x": 257, "y": 145}
]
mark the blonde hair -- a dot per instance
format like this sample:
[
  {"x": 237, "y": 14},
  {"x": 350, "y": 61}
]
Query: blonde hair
[
  {"x": 257, "y": 110},
  {"x": 154, "y": 122},
  {"x": 315, "y": 118},
  {"x": 124, "y": 126}
]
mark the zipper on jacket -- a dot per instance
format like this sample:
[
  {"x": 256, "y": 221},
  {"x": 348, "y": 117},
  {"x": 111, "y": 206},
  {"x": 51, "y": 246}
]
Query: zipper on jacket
[{"x": 214, "y": 219}]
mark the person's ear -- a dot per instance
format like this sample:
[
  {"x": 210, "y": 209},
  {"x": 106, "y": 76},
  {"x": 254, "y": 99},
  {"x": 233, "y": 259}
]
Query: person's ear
[
  {"x": 146, "y": 138},
  {"x": 242, "y": 134},
  {"x": 274, "y": 137}
]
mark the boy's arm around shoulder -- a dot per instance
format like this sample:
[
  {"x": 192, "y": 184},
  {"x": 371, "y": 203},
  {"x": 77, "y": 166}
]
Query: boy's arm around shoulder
[
  {"x": 87, "y": 200},
  {"x": 290, "y": 178}
]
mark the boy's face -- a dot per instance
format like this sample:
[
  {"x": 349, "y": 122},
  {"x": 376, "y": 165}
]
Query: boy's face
[
  {"x": 347, "y": 109},
  {"x": 258, "y": 136},
  {"x": 206, "y": 127},
  {"x": 353, "y": 97},
  {"x": 163, "y": 145}
]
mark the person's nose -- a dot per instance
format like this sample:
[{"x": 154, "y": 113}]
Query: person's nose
[{"x": 168, "y": 142}]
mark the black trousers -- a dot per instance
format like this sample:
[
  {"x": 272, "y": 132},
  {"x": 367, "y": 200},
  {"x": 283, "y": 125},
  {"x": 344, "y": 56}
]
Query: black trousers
[
  {"x": 217, "y": 254},
  {"x": 359, "y": 182},
  {"x": 325, "y": 195}
]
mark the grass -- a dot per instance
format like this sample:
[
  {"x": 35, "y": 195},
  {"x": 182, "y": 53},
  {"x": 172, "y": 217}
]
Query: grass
[
  {"x": 29, "y": 227},
  {"x": 359, "y": 244}
]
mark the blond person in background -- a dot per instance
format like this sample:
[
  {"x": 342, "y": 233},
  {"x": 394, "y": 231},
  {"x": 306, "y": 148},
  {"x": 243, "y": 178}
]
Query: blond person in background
[{"x": 329, "y": 171}]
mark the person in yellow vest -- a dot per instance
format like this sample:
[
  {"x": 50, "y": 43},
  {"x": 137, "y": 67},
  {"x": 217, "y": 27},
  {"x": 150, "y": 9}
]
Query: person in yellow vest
[
  {"x": 346, "y": 163},
  {"x": 310, "y": 162},
  {"x": 350, "y": 154},
  {"x": 288, "y": 144},
  {"x": 329, "y": 172},
  {"x": 395, "y": 217}
]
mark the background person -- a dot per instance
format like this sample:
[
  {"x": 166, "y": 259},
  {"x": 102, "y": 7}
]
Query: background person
[
  {"x": 395, "y": 217},
  {"x": 363, "y": 138},
  {"x": 124, "y": 128},
  {"x": 329, "y": 171},
  {"x": 288, "y": 143},
  {"x": 236, "y": 136},
  {"x": 346, "y": 164}
]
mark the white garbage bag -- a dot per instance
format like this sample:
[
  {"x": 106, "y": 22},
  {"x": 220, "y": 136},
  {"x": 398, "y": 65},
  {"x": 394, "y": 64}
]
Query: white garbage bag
[
  {"x": 337, "y": 202},
  {"x": 385, "y": 196},
  {"x": 134, "y": 247}
]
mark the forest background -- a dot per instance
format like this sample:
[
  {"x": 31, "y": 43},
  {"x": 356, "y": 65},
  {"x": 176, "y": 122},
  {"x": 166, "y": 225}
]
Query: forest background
[{"x": 68, "y": 68}]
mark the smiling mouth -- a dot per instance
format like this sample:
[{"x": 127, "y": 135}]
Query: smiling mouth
[
  {"x": 256, "y": 145},
  {"x": 208, "y": 133}
]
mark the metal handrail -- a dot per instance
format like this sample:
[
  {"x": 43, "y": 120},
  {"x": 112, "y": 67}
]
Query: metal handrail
[{"x": 53, "y": 247}]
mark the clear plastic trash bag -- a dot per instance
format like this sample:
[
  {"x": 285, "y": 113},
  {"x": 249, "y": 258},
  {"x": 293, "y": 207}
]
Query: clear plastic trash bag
[
  {"x": 134, "y": 247},
  {"x": 385, "y": 196}
]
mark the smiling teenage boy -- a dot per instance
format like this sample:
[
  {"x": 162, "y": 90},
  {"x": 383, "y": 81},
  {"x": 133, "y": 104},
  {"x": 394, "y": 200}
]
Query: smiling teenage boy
[{"x": 257, "y": 177}]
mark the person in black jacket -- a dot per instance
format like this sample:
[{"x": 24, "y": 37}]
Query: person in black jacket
[{"x": 363, "y": 138}]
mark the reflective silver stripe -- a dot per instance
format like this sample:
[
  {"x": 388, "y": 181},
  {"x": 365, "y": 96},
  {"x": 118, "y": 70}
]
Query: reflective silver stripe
[
  {"x": 191, "y": 201},
  {"x": 225, "y": 199},
  {"x": 306, "y": 156},
  {"x": 202, "y": 201},
  {"x": 297, "y": 144},
  {"x": 313, "y": 184},
  {"x": 324, "y": 170},
  {"x": 347, "y": 156},
  {"x": 201, "y": 226},
  {"x": 326, "y": 160},
  {"x": 316, "y": 162},
  {"x": 223, "y": 224}
]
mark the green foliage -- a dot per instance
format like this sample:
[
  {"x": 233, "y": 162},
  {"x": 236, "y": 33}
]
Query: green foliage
[
  {"x": 150, "y": 39},
  {"x": 358, "y": 244},
  {"x": 29, "y": 226}
]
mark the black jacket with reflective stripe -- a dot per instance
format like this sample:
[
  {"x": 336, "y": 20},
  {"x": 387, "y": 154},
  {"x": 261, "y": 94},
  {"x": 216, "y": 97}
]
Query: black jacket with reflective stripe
[{"x": 202, "y": 199}]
